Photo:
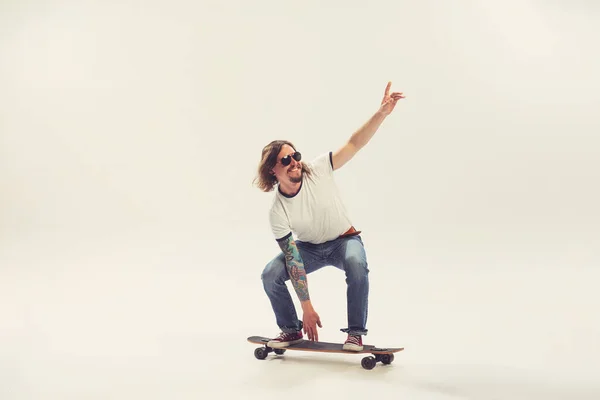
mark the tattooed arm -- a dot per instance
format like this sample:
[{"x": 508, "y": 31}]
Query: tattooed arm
[
  {"x": 297, "y": 273},
  {"x": 295, "y": 268}
]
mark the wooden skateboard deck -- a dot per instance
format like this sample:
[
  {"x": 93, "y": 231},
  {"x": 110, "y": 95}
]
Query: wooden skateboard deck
[{"x": 384, "y": 355}]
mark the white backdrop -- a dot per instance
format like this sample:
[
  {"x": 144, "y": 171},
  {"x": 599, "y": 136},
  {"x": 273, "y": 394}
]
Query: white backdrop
[{"x": 130, "y": 134}]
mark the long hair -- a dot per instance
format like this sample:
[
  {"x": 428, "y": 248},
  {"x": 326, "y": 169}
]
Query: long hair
[{"x": 265, "y": 180}]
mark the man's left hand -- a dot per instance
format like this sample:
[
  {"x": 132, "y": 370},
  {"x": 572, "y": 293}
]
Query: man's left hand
[{"x": 389, "y": 100}]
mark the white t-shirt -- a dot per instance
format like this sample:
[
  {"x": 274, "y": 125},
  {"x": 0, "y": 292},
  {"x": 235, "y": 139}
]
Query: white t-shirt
[{"x": 316, "y": 213}]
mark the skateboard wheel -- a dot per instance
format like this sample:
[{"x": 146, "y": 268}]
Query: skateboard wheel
[
  {"x": 368, "y": 362},
  {"x": 387, "y": 358},
  {"x": 279, "y": 351},
  {"x": 261, "y": 353}
]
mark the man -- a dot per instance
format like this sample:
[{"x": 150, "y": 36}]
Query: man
[{"x": 308, "y": 204}]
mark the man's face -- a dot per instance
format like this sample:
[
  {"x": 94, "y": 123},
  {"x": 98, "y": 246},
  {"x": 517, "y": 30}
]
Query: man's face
[{"x": 291, "y": 172}]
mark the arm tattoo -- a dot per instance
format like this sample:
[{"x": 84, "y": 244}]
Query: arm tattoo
[{"x": 295, "y": 267}]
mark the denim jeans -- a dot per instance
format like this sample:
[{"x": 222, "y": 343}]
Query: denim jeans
[{"x": 347, "y": 254}]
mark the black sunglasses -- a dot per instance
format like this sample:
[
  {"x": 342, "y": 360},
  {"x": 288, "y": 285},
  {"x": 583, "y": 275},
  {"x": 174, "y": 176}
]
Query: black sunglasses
[{"x": 285, "y": 161}]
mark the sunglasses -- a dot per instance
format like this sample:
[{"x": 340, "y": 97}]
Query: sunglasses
[{"x": 285, "y": 161}]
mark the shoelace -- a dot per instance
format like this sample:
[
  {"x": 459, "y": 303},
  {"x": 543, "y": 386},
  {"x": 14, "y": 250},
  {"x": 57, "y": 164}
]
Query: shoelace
[{"x": 354, "y": 340}]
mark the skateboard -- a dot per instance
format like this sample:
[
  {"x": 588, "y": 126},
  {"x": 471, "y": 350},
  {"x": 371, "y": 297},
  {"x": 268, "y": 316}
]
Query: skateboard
[{"x": 383, "y": 355}]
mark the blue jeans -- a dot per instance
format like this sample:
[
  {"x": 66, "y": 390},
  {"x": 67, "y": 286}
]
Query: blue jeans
[{"x": 347, "y": 254}]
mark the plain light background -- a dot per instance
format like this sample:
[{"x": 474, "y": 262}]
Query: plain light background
[{"x": 132, "y": 239}]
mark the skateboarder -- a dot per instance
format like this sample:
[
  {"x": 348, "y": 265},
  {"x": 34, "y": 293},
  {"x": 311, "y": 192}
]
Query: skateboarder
[{"x": 307, "y": 203}]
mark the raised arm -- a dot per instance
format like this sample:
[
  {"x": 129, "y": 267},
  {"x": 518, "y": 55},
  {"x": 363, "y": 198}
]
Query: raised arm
[{"x": 362, "y": 136}]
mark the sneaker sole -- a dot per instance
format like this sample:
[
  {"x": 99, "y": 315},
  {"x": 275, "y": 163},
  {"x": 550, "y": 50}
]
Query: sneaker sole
[
  {"x": 280, "y": 345},
  {"x": 352, "y": 347}
]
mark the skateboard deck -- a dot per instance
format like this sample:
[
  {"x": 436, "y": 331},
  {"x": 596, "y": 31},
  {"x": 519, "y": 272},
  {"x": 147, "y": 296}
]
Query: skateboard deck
[{"x": 384, "y": 355}]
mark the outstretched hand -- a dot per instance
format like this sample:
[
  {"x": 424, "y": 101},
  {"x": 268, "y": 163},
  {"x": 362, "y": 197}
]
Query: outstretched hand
[
  {"x": 310, "y": 321},
  {"x": 389, "y": 100}
]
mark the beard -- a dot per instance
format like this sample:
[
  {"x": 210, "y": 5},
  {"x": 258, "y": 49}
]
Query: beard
[{"x": 296, "y": 178}]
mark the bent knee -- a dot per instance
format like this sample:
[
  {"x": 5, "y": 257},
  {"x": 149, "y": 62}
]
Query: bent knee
[
  {"x": 274, "y": 270},
  {"x": 356, "y": 266}
]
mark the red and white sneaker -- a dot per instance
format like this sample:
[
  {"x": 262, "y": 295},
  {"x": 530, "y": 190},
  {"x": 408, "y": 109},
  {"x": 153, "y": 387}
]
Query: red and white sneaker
[
  {"x": 353, "y": 343},
  {"x": 285, "y": 339}
]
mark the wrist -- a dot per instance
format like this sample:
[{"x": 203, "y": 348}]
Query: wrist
[
  {"x": 306, "y": 305},
  {"x": 381, "y": 114}
]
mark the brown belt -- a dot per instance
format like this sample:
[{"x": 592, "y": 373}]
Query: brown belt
[{"x": 350, "y": 232}]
